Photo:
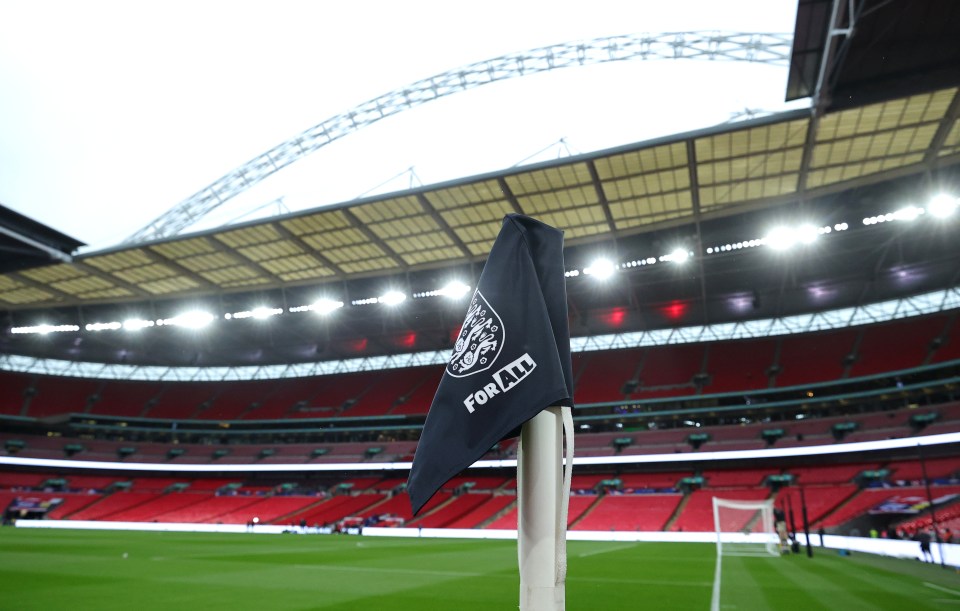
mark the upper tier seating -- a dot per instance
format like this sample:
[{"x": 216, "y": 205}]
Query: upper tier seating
[
  {"x": 816, "y": 357},
  {"x": 61, "y": 396},
  {"x": 739, "y": 365},
  {"x": 121, "y": 398},
  {"x": 282, "y": 398},
  {"x": 897, "y": 345},
  {"x": 182, "y": 401},
  {"x": 603, "y": 376},
  {"x": 12, "y": 388},
  {"x": 950, "y": 342},
  {"x": 668, "y": 371}
]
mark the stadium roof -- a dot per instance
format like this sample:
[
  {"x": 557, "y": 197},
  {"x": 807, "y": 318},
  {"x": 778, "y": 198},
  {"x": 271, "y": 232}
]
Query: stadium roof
[
  {"x": 602, "y": 196},
  {"x": 894, "y": 46},
  {"x": 26, "y": 243}
]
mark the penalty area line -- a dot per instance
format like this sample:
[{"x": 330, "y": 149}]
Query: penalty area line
[
  {"x": 941, "y": 588},
  {"x": 605, "y": 551}
]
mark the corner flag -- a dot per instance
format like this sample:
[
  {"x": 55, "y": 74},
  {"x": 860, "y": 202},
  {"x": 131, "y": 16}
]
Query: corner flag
[{"x": 510, "y": 362}]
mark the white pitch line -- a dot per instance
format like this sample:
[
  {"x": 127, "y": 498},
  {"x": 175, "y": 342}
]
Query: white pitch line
[
  {"x": 715, "y": 598},
  {"x": 605, "y": 551},
  {"x": 941, "y": 588}
]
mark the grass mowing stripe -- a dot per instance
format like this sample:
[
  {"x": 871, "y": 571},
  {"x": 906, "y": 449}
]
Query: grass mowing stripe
[
  {"x": 885, "y": 587},
  {"x": 749, "y": 583},
  {"x": 899, "y": 579},
  {"x": 823, "y": 582}
]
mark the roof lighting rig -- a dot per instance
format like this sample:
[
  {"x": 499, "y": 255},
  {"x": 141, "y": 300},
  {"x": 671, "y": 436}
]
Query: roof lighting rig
[{"x": 781, "y": 239}]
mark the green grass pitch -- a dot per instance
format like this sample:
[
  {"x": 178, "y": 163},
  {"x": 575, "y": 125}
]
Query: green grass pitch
[{"x": 72, "y": 569}]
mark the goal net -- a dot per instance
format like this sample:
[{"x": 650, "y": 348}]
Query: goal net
[{"x": 745, "y": 528}]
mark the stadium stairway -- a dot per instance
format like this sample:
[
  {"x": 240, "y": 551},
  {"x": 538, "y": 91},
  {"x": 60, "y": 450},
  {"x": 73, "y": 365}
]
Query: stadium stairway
[
  {"x": 452, "y": 510},
  {"x": 294, "y": 516},
  {"x": 668, "y": 526},
  {"x": 418, "y": 520},
  {"x": 89, "y": 505},
  {"x": 585, "y": 513},
  {"x": 821, "y": 500},
  {"x": 490, "y": 508},
  {"x": 500, "y": 515},
  {"x": 837, "y": 509},
  {"x": 334, "y": 509}
]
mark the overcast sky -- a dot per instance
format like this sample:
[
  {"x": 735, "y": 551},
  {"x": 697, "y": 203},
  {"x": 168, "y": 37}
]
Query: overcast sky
[{"x": 112, "y": 113}]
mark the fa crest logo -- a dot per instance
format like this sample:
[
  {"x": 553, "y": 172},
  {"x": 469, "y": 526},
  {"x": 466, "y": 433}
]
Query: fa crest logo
[{"x": 480, "y": 340}]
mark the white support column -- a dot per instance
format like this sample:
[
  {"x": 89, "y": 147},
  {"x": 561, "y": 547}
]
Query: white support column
[{"x": 540, "y": 488}]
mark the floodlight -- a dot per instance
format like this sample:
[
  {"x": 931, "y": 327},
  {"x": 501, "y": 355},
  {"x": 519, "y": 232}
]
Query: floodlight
[
  {"x": 392, "y": 298},
  {"x": 325, "y": 306},
  {"x": 806, "y": 234},
  {"x": 455, "y": 289},
  {"x": 102, "y": 326},
  {"x": 44, "y": 329},
  {"x": 600, "y": 269},
  {"x": 679, "y": 255},
  {"x": 265, "y": 312},
  {"x": 135, "y": 324},
  {"x": 259, "y": 313},
  {"x": 908, "y": 213},
  {"x": 782, "y": 238},
  {"x": 195, "y": 319},
  {"x": 943, "y": 205}
]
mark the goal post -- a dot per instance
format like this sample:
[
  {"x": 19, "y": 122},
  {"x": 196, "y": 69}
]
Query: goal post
[{"x": 745, "y": 528}]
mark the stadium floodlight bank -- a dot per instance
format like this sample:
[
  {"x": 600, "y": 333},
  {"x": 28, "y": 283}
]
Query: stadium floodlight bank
[{"x": 745, "y": 528}]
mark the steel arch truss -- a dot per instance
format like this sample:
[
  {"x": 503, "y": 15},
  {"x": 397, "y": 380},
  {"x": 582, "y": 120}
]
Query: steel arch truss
[{"x": 766, "y": 48}]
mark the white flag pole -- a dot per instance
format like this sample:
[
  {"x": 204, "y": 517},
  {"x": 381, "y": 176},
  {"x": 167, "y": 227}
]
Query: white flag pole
[{"x": 543, "y": 494}]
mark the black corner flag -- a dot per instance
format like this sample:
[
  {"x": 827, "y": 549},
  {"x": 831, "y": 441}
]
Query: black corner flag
[{"x": 510, "y": 362}]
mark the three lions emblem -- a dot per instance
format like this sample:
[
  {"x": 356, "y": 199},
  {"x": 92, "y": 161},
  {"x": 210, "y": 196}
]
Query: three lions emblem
[{"x": 480, "y": 340}]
